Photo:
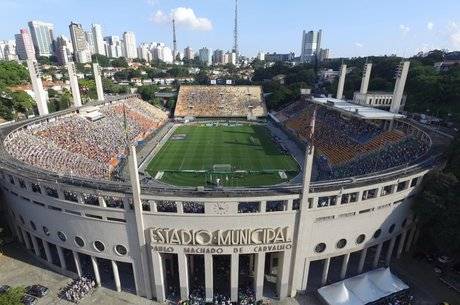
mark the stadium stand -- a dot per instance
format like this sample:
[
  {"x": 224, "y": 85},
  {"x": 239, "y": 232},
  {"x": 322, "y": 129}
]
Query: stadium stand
[
  {"x": 220, "y": 101},
  {"x": 351, "y": 146},
  {"x": 76, "y": 145}
]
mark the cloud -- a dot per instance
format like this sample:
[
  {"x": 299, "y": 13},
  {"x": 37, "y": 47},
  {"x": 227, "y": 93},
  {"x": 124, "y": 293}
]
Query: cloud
[
  {"x": 184, "y": 16},
  {"x": 404, "y": 29},
  {"x": 359, "y": 44},
  {"x": 430, "y": 26},
  {"x": 160, "y": 17}
]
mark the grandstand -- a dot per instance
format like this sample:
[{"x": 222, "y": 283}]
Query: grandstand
[
  {"x": 83, "y": 146},
  {"x": 220, "y": 101},
  {"x": 352, "y": 146}
]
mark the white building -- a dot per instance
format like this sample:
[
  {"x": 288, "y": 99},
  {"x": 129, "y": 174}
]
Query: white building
[
  {"x": 8, "y": 50},
  {"x": 188, "y": 53},
  {"x": 114, "y": 46},
  {"x": 42, "y": 37},
  {"x": 261, "y": 56},
  {"x": 143, "y": 52},
  {"x": 130, "y": 46},
  {"x": 276, "y": 241},
  {"x": 99, "y": 45}
]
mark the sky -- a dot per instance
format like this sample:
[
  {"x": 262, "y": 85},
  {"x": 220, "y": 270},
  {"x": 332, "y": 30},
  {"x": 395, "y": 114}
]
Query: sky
[{"x": 350, "y": 28}]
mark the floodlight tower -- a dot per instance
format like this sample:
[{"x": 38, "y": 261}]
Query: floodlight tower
[
  {"x": 343, "y": 73},
  {"x": 235, "y": 32},
  {"x": 366, "y": 78},
  {"x": 98, "y": 80},
  {"x": 74, "y": 83},
  {"x": 37, "y": 85},
  {"x": 174, "y": 40},
  {"x": 401, "y": 77}
]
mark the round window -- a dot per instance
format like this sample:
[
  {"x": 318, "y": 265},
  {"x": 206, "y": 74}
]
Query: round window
[
  {"x": 392, "y": 228},
  {"x": 360, "y": 239},
  {"x": 32, "y": 224},
  {"x": 377, "y": 233},
  {"x": 341, "y": 243},
  {"x": 46, "y": 231},
  {"x": 99, "y": 246},
  {"x": 79, "y": 241},
  {"x": 121, "y": 250},
  {"x": 320, "y": 247},
  {"x": 61, "y": 236}
]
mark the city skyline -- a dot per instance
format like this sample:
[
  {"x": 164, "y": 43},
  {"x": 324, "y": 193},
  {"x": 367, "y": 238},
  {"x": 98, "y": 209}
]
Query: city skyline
[{"x": 207, "y": 24}]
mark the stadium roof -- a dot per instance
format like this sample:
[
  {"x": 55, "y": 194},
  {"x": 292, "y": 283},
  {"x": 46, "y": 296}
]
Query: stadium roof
[{"x": 360, "y": 111}]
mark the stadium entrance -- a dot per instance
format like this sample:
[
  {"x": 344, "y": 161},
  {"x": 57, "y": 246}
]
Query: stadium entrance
[
  {"x": 221, "y": 276},
  {"x": 170, "y": 275},
  {"x": 195, "y": 267}
]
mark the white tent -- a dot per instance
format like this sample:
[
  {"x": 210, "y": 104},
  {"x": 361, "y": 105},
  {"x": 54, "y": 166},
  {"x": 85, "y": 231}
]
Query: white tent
[
  {"x": 362, "y": 289},
  {"x": 338, "y": 294},
  {"x": 386, "y": 281}
]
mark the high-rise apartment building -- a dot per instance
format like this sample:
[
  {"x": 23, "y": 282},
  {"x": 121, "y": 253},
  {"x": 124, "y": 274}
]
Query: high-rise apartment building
[
  {"x": 90, "y": 41},
  {"x": 218, "y": 57},
  {"x": 129, "y": 43},
  {"x": 98, "y": 40},
  {"x": 8, "y": 50},
  {"x": 204, "y": 55},
  {"x": 188, "y": 53},
  {"x": 63, "y": 50},
  {"x": 24, "y": 45},
  {"x": 81, "y": 50},
  {"x": 114, "y": 48},
  {"x": 311, "y": 46},
  {"x": 42, "y": 37}
]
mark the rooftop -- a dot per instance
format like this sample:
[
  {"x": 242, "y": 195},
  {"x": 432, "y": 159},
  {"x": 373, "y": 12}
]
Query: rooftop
[{"x": 360, "y": 111}]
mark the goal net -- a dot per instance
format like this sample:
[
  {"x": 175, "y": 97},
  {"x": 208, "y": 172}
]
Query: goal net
[{"x": 222, "y": 168}]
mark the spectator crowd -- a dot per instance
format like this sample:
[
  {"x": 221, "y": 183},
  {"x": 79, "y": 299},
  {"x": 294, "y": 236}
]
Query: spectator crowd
[
  {"x": 220, "y": 101},
  {"x": 75, "y": 145}
]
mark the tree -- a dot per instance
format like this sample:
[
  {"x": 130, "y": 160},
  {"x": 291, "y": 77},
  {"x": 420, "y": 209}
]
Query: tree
[
  {"x": 147, "y": 92},
  {"x": 22, "y": 102},
  {"x": 102, "y": 60},
  {"x": 120, "y": 62},
  {"x": 12, "y": 73},
  {"x": 12, "y": 296}
]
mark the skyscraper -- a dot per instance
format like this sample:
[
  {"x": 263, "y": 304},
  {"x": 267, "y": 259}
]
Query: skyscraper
[
  {"x": 311, "y": 46},
  {"x": 24, "y": 45},
  {"x": 114, "y": 46},
  {"x": 188, "y": 53},
  {"x": 42, "y": 37},
  {"x": 63, "y": 50},
  {"x": 81, "y": 51},
  {"x": 205, "y": 56},
  {"x": 129, "y": 42},
  {"x": 90, "y": 41},
  {"x": 98, "y": 39}
]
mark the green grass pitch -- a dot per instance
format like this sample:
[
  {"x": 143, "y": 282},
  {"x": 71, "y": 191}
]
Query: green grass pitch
[{"x": 254, "y": 157}]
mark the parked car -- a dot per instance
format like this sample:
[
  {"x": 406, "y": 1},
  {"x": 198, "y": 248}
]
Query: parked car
[
  {"x": 37, "y": 290},
  {"x": 28, "y": 300},
  {"x": 4, "y": 288}
]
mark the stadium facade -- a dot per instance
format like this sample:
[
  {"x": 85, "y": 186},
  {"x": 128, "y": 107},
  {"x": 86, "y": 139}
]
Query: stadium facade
[{"x": 161, "y": 241}]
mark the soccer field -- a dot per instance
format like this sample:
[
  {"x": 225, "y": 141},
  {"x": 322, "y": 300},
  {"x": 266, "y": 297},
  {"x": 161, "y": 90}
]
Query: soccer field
[{"x": 242, "y": 155}]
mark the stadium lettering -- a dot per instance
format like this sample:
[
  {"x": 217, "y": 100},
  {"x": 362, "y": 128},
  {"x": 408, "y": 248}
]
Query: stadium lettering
[{"x": 221, "y": 237}]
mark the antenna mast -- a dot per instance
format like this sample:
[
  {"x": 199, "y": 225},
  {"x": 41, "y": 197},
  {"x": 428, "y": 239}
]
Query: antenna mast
[{"x": 235, "y": 31}]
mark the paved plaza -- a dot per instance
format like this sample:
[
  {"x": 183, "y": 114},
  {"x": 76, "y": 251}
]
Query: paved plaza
[{"x": 20, "y": 268}]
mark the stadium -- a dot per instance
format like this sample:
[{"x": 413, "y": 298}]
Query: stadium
[{"x": 221, "y": 199}]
